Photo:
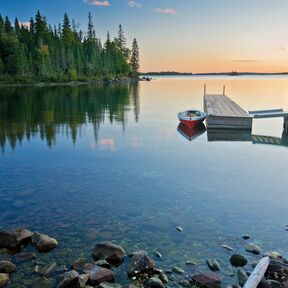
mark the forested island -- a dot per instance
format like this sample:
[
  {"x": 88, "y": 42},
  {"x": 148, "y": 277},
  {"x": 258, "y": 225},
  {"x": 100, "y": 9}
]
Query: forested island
[{"x": 39, "y": 52}]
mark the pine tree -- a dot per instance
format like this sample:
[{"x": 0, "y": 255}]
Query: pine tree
[{"x": 134, "y": 61}]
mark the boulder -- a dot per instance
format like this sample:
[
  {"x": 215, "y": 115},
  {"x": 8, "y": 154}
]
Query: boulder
[
  {"x": 207, "y": 280},
  {"x": 82, "y": 280},
  {"x": 70, "y": 279},
  {"x": 7, "y": 267},
  {"x": 139, "y": 264},
  {"x": 238, "y": 260},
  {"x": 253, "y": 248},
  {"x": 14, "y": 238},
  {"x": 110, "y": 252},
  {"x": 213, "y": 265},
  {"x": 4, "y": 279},
  {"x": 43, "y": 243},
  {"x": 153, "y": 283},
  {"x": 98, "y": 274}
]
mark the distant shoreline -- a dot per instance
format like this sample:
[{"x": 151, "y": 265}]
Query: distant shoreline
[{"x": 211, "y": 74}]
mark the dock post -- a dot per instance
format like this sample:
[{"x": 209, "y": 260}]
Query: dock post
[
  {"x": 224, "y": 89},
  {"x": 285, "y": 126},
  {"x": 204, "y": 89}
]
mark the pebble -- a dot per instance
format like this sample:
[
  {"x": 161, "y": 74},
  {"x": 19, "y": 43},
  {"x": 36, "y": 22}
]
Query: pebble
[
  {"x": 245, "y": 237},
  {"x": 253, "y": 248},
  {"x": 158, "y": 254},
  {"x": 226, "y": 247},
  {"x": 213, "y": 265},
  {"x": 179, "y": 229},
  {"x": 190, "y": 263},
  {"x": 178, "y": 270}
]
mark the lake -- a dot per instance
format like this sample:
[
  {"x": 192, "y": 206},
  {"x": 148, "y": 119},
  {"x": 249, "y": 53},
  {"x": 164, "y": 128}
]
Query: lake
[{"x": 87, "y": 164}]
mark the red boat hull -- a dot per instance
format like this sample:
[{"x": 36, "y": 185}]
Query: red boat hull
[{"x": 192, "y": 123}]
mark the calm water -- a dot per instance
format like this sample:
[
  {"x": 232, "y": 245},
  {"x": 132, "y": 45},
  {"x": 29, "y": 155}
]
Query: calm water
[{"x": 86, "y": 164}]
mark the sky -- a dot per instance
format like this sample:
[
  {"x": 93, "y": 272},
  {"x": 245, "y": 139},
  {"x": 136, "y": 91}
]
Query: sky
[{"x": 195, "y": 36}]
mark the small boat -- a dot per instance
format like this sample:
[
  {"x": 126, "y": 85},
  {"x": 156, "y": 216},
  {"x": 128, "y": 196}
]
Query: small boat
[
  {"x": 191, "y": 133},
  {"x": 192, "y": 118}
]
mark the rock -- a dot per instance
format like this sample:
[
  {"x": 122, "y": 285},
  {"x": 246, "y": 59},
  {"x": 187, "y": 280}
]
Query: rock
[
  {"x": 274, "y": 255},
  {"x": 139, "y": 264},
  {"x": 79, "y": 264},
  {"x": 141, "y": 252},
  {"x": 110, "y": 252},
  {"x": 109, "y": 285},
  {"x": 69, "y": 279},
  {"x": 25, "y": 256},
  {"x": 238, "y": 260},
  {"x": 233, "y": 286},
  {"x": 273, "y": 284},
  {"x": 207, "y": 280},
  {"x": 7, "y": 267},
  {"x": 43, "y": 243},
  {"x": 42, "y": 282},
  {"x": 242, "y": 276},
  {"x": 4, "y": 279},
  {"x": 178, "y": 270},
  {"x": 185, "y": 283},
  {"x": 213, "y": 265},
  {"x": 103, "y": 263},
  {"x": 47, "y": 269},
  {"x": 82, "y": 280},
  {"x": 226, "y": 247},
  {"x": 254, "y": 263},
  {"x": 14, "y": 238},
  {"x": 179, "y": 229},
  {"x": 98, "y": 274},
  {"x": 275, "y": 270},
  {"x": 245, "y": 237},
  {"x": 253, "y": 248},
  {"x": 157, "y": 254},
  {"x": 153, "y": 283},
  {"x": 190, "y": 263},
  {"x": 163, "y": 278}
]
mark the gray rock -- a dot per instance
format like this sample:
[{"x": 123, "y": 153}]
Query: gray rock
[
  {"x": 253, "y": 248},
  {"x": 153, "y": 283},
  {"x": 109, "y": 285},
  {"x": 226, "y": 247},
  {"x": 242, "y": 276},
  {"x": 82, "y": 280},
  {"x": 110, "y": 252},
  {"x": 7, "y": 267},
  {"x": 139, "y": 264},
  {"x": 69, "y": 279},
  {"x": 14, "y": 238},
  {"x": 43, "y": 243},
  {"x": 185, "y": 283},
  {"x": 163, "y": 278},
  {"x": 238, "y": 260},
  {"x": 190, "y": 263},
  {"x": 180, "y": 229},
  {"x": 178, "y": 270},
  {"x": 207, "y": 280},
  {"x": 98, "y": 274},
  {"x": 246, "y": 237},
  {"x": 4, "y": 279},
  {"x": 213, "y": 265},
  {"x": 79, "y": 264},
  {"x": 103, "y": 263}
]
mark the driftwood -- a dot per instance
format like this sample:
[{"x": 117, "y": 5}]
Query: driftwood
[{"x": 257, "y": 273}]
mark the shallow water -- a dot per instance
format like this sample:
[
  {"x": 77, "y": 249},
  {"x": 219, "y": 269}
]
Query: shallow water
[{"x": 86, "y": 164}]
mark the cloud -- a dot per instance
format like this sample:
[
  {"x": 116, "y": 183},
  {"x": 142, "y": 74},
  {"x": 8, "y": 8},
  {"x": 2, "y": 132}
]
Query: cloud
[
  {"x": 168, "y": 11},
  {"x": 105, "y": 3},
  {"x": 245, "y": 61},
  {"x": 25, "y": 24},
  {"x": 134, "y": 4}
]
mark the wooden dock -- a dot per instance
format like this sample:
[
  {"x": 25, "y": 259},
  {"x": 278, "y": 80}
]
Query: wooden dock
[{"x": 223, "y": 113}]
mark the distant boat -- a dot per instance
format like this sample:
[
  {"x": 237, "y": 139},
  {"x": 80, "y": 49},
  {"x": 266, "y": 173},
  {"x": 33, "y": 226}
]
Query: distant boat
[
  {"x": 192, "y": 118},
  {"x": 191, "y": 133},
  {"x": 234, "y": 73}
]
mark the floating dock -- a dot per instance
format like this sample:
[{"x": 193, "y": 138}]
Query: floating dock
[{"x": 223, "y": 113}]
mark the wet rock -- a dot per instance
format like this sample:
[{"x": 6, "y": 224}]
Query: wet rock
[
  {"x": 139, "y": 264},
  {"x": 79, "y": 264},
  {"x": 110, "y": 252},
  {"x": 43, "y": 243},
  {"x": 226, "y": 247},
  {"x": 180, "y": 229},
  {"x": 207, "y": 280},
  {"x": 238, "y": 260},
  {"x": 178, "y": 270},
  {"x": 14, "y": 238},
  {"x": 82, "y": 280},
  {"x": 242, "y": 276},
  {"x": 190, "y": 263},
  {"x": 4, "y": 279},
  {"x": 274, "y": 255},
  {"x": 254, "y": 263},
  {"x": 69, "y": 279},
  {"x": 103, "y": 263},
  {"x": 7, "y": 267},
  {"x": 98, "y": 274},
  {"x": 25, "y": 256},
  {"x": 185, "y": 283},
  {"x": 253, "y": 248},
  {"x": 275, "y": 270},
  {"x": 245, "y": 237},
  {"x": 213, "y": 265},
  {"x": 153, "y": 283},
  {"x": 273, "y": 284},
  {"x": 47, "y": 269},
  {"x": 169, "y": 272},
  {"x": 157, "y": 254},
  {"x": 42, "y": 282},
  {"x": 163, "y": 278},
  {"x": 141, "y": 252},
  {"x": 109, "y": 285}
]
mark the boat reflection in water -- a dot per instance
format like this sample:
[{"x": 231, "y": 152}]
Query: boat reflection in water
[{"x": 191, "y": 133}]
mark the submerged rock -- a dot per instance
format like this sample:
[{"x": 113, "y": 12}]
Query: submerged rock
[
  {"x": 213, "y": 265},
  {"x": 43, "y": 243},
  {"x": 14, "y": 238},
  {"x": 42, "y": 282},
  {"x": 253, "y": 248},
  {"x": 7, "y": 267},
  {"x": 109, "y": 285},
  {"x": 245, "y": 237},
  {"x": 274, "y": 255},
  {"x": 163, "y": 278},
  {"x": 180, "y": 229},
  {"x": 238, "y": 260},
  {"x": 98, "y": 274},
  {"x": 110, "y": 252},
  {"x": 178, "y": 270},
  {"x": 82, "y": 280},
  {"x": 139, "y": 264},
  {"x": 185, "y": 283},
  {"x": 69, "y": 279},
  {"x": 207, "y": 280},
  {"x": 4, "y": 279},
  {"x": 25, "y": 256},
  {"x": 79, "y": 264},
  {"x": 242, "y": 276},
  {"x": 103, "y": 263},
  {"x": 190, "y": 263},
  {"x": 153, "y": 283}
]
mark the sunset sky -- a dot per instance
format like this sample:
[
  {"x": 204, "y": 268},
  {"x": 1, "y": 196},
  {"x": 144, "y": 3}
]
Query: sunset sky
[{"x": 182, "y": 35}]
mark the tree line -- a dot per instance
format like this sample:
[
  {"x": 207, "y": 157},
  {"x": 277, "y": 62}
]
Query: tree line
[{"x": 39, "y": 52}]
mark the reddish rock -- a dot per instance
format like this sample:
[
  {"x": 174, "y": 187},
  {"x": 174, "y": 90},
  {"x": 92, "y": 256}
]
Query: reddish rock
[
  {"x": 98, "y": 274},
  {"x": 207, "y": 280},
  {"x": 140, "y": 263}
]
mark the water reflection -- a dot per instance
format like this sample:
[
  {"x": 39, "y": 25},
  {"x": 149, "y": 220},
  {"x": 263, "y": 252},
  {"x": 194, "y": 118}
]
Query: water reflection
[
  {"x": 191, "y": 133},
  {"x": 32, "y": 112}
]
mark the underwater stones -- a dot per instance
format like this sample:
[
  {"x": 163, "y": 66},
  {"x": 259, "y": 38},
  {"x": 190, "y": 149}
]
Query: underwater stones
[
  {"x": 238, "y": 260},
  {"x": 253, "y": 248},
  {"x": 47, "y": 269},
  {"x": 4, "y": 279},
  {"x": 179, "y": 229},
  {"x": 245, "y": 237},
  {"x": 69, "y": 279},
  {"x": 109, "y": 285},
  {"x": 98, "y": 274},
  {"x": 163, "y": 278},
  {"x": 242, "y": 276},
  {"x": 190, "y": 263},
  {"x": 178, "y": 270},
  {"x": 7, "y": 267},
  {"x": 139, "y": 264},
  {"x": 153, "y": 283},
  {"x": 79, "y": 264},
  {"x": 274, "y": 255},
  {"x": 103, "y": 263},
  {"x": 207, "y": 280},
  {"x": 82, "y": 280},
  {"x": 213, "y": 265},
  {"x": 25, "y": 256},
  {"x": 43, "y": 243},
  {"x": 226, "y": 247},
  {"x": 42, "y": 282},
  {"x": 14, "y": 238},
  {"x": 110, "y": 252},
  {"x": 185, "y": 283}
]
